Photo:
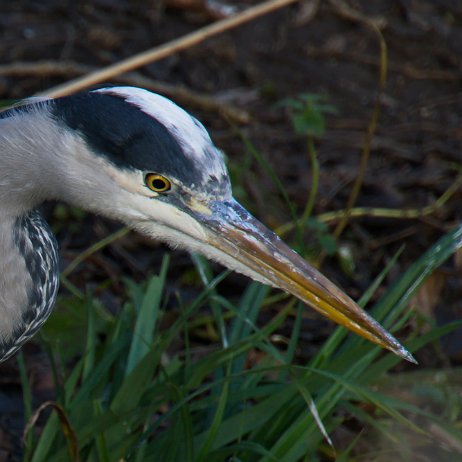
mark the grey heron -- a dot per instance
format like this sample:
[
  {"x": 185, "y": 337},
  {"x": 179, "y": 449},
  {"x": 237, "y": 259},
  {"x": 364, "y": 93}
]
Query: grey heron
[{"x": 137, "y": 157}]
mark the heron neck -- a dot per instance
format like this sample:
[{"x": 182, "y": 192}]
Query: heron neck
[
  {"x": 39, "y": 161},
  {"x": 33, "y": 152}
]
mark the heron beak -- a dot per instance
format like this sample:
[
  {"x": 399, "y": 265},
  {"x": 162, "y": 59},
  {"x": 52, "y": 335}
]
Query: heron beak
[{"x": 246, "y": 241}]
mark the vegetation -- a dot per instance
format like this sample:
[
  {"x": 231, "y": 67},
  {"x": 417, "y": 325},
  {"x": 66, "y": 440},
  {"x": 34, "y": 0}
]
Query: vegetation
[
  {"x": 130, "y": 398},
  {"x": 134, "y": 395}
]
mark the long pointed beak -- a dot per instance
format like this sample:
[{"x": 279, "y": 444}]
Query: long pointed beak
[{"x": 260, "y": 253}]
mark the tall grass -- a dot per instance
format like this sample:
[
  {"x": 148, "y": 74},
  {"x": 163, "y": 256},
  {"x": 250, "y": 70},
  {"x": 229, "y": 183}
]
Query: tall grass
[{"x": 134, "y": 396}]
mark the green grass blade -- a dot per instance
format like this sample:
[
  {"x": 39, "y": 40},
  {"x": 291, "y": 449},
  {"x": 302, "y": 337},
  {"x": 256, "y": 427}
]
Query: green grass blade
[
  {"x": 215, "y": 426},
  {"x": 27, "y": 400},
  {"x": 147, "y": 317},
  {"x": 99, "y": 375},
  {"x": 130, "y": 391},
  {"x": 240, "y": 424},
  {"x": 47, "y": 439},
  {"x": 409, "y": 282},
  {"x": 248, "y": 309},
  {"x": 89, "y": 357},
  {"x": 101, "y": 445},
  {"x": 205, "y": 273}
]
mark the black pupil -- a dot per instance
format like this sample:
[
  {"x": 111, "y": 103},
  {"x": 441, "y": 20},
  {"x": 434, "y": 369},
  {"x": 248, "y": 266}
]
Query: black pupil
[{"x": 158, "y": 183}]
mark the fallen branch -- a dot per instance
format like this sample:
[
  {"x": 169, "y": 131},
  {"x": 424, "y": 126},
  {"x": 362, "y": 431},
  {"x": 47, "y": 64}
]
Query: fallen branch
[
  {"x": 179, "y": 93},
  {"x": 167, "y": 49},
  {"x": 379, "y": 212}
]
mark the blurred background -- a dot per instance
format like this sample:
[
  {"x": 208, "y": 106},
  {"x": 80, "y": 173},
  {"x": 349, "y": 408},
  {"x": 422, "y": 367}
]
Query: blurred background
[{"x": 290, "y": 98}]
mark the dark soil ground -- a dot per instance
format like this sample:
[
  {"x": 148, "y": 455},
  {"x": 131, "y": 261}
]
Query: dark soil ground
[{"x": 320, "y": 47}]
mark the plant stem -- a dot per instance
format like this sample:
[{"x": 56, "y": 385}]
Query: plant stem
[{"x": 314, "y": 163}]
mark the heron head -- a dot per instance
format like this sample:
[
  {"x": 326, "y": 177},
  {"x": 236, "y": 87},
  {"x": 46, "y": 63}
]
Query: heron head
[{"x": 167, "y": 179}]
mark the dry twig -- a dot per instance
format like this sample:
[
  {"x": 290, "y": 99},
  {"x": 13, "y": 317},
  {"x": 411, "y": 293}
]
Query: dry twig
[
  {"x": 179, "y": 93},
  {"x": 380, "y": 212},
  {"x": 167, "y": 49}
]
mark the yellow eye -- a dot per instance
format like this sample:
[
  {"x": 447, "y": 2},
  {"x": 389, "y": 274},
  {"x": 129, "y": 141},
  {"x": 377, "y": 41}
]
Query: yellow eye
[{"x": 157, "y": 183}]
